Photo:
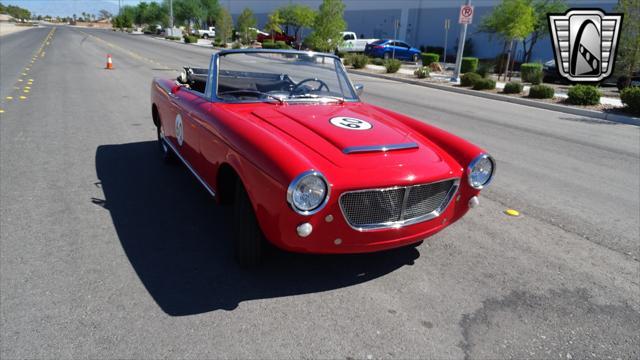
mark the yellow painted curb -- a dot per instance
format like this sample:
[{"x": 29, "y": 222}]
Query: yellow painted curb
[
  {"x": 9, "y": 98},
  {"x": 23, "y": 97}
]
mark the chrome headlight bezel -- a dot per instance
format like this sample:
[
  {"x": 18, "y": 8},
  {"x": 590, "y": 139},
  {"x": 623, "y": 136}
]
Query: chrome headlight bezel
[
  {"x": 471, "y": 166},
  {"x": 294, "y": 184}
]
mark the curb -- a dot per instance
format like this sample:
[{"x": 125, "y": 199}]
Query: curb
[{"x": 617, "y": 118}]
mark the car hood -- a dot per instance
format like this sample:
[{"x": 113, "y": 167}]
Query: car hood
[{"x": 326, "y": 130}]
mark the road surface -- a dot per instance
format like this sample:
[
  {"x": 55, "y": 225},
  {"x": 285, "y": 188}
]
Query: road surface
[{"x": 106, "y": 252}]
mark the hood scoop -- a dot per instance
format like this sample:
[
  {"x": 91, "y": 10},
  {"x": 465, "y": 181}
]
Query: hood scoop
[{"x": 379, "y": 148}]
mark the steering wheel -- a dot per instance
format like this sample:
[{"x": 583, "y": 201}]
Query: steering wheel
[{"x": 297, "y": 87}]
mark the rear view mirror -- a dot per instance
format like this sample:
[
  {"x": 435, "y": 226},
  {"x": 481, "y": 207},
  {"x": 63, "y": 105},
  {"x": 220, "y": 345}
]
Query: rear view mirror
[{"x": 359, "y": 89}]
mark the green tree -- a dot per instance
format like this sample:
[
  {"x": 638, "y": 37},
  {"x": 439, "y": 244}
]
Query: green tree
[
  {"x": 273, "y": 24},
  {"x": 245, "y": 21},
  {"x": 154, "y": 14},
  {"x": 188, "y": 11},
  {"x": 328, "y": 24},
  {"x": 628, "y": 58},
  {"x": 105, "y": 14},
  {"x": 138, "y": 16},
  {"x": 512, "y": 20},
  {"x": 297, "y": 16},
  {"x": 541, "y": 28},
  {"x": 224, "y": 26},
  {"x": 211, "y": 10}
]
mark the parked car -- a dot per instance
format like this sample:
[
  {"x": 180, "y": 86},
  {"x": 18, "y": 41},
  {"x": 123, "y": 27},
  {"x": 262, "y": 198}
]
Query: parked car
[
  {"x": 351, "y": 43},
  {"x": 283, "y": 137},
  {"x": 263, "y": 36},
  {"x": 388, "y": 49},
  {"x": 205, "y": 33}
]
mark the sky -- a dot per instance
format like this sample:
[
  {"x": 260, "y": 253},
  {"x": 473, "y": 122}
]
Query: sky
[{"x": 68, "y": 7}]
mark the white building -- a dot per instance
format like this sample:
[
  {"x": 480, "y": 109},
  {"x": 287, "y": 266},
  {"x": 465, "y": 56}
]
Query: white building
[{"x": 421, "y": 21}]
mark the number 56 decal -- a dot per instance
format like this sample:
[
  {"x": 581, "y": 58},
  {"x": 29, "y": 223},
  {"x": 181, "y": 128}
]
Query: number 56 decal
[{"x": 350, "y": 123}]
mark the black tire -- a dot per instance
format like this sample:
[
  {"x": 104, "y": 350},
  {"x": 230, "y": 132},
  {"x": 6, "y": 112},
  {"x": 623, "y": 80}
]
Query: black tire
[
  {"x": 168, "y": 156},
  {"x": 205, "y": 36},
  {"x": 248, "y": 238}
]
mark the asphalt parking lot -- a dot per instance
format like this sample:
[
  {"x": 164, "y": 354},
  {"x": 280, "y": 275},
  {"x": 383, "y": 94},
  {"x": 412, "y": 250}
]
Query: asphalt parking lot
[{"x": 106, "y": 252}]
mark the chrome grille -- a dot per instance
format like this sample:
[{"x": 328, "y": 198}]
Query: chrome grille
[{"x": 380, "y": 208}]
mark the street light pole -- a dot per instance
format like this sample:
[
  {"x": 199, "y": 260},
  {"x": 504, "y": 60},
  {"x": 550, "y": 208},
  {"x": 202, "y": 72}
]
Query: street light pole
[
  {"x": 447, "y": 25},
  {"x": 463, "y": 35},
  {"x": 171, "y": 16}
]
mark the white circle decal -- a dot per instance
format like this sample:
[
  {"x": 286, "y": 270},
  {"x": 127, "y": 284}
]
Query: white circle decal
[
  {"x": 350, "y": 123},
  {"x": 179, "y": 130}
]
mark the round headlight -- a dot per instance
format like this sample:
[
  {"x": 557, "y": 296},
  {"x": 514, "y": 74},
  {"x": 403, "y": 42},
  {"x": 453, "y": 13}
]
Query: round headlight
[
  {"x": 308, "y": 193},
  {"x": 480, "y": 171}
]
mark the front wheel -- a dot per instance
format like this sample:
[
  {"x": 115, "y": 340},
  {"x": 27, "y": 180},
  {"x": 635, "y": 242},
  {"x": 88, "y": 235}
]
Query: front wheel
[
  {"x": 247, "y": 235},
  {"x": 205, "y": 36}
]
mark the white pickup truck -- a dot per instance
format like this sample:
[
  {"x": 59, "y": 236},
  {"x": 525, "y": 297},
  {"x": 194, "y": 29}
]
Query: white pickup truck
[
  {"x": 351, "y": 43},
  {"x": 205, "y": 33}
]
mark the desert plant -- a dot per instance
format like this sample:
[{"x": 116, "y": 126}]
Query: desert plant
[
  {"x": 584, "y": 95},
  {"x": 282, "y": 45},
  {"x": 422, "y": 72},
  {"x": 347, "y": 60},
  {"x": 236, "y": 45},
  {"x": 484, "y": 70},
  {"x": 631, "y": 98},
  {"x": 268, "y": 45},
  {"x": 359, "y": 61},
  {"x": 392, "y": 65},
  {"x": 484, "y": 84},
  {"x": 531, "y": 73},
  {"x": 469, "y": 79},
  {"x": 377, "y": 61},
  {"x": 469, "y": 64},
  {"x": 428, "y": 58},
  {"x": 541, "y": 92},
  {"x": 514, "y": 87},
  {"x": 190, "y": 39}
]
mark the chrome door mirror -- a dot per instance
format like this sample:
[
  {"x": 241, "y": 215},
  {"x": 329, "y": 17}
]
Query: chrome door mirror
[{"x": 359, "y": 89}]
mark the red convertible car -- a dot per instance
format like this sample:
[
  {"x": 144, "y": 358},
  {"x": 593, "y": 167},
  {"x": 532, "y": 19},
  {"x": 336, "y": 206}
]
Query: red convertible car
[{"x": 284, "y": 138}]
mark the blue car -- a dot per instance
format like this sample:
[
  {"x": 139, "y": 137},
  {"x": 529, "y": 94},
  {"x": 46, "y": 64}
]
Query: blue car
[{"x": 387, "y": 49}]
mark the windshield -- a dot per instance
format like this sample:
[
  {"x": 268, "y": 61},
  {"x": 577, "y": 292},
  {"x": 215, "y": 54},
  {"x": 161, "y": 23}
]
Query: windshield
[{"x": 283, "y": 77}]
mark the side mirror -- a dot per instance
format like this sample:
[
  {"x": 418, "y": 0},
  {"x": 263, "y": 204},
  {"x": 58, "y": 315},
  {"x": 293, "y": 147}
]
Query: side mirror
[{"x": 359, "y": 89}]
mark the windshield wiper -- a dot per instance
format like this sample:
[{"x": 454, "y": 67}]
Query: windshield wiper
[
  {"x": 249, "y": 91},
  {"x": 315, "y": 96}
]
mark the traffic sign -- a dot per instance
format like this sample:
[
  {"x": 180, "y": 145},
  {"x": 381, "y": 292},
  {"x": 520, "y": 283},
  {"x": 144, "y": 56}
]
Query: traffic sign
[{"x": 466, "y": 14}]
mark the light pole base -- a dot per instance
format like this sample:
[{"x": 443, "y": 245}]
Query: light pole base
[{"x": 455, "y": 80}]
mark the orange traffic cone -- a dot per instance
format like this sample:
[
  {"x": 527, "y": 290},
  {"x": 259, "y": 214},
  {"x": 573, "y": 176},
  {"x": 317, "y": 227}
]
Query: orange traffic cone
[{"x": 109, "y": 62}]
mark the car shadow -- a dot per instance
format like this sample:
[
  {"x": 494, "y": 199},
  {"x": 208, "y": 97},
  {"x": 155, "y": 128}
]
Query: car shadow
[{"x": 179, "y": 243}]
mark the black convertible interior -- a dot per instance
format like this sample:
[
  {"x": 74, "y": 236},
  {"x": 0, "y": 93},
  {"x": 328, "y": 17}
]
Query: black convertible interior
[{"x": 243, "y": 85}]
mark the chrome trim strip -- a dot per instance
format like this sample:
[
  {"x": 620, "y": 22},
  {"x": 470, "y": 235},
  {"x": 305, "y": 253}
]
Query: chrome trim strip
[
  {"x": 210, "y": 190},
  {"x": 383, "y": 148},
  {"x": 473, "y": 163},
  {"x": 292, "y": 187},
  {"x": 402, "y": 223}
]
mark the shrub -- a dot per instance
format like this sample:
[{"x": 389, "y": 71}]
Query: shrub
[
  {"x": 422, "y": 72},
  {"x": 190, "y": 39},
  {"x": 392, "y": 65},
  {"x": 484, "y": 84},
  {"x": 428, "y": 58},
  {"x": 469, "y": 79},
  {"x": 347, "y": 60},
  {"x": 268, "y": 45},
  {"x": 282, "y": 45},
  {"x": 236, "y": 45},
  {"x": 631, "y": 98},
  {"x": 360, "y": 61},
  {"x": 584, "y": 95},
  {"x": 377, "y": 61},
  {"x": 541, "y": 92},
  {"x": 469, "y": 64},
  {"x": 514, "y": 87},
  {"x": 172, "y": 37},
  {"x": 483, "y": 70},
  {"x": 531, "y": 72}
]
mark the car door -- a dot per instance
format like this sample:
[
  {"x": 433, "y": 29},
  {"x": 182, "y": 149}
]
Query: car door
[
  {"x": 403, "y": 49},
  {"x": 185, "y": 134}
]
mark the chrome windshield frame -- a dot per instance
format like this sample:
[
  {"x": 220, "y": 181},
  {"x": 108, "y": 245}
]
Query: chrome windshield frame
[{"x": 211, "y": 91}]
